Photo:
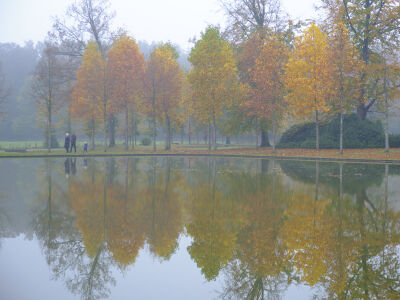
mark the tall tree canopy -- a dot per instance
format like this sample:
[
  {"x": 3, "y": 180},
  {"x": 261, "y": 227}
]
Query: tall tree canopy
[
  {"x": 125, "y": 78},
  {"x": 88, "y": 91},
  {"x": 370, "y": 23},
  {"x": 213, "y": 77},
  {"x": 308, "y": 76}
]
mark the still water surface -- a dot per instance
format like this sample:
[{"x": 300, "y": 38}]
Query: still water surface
[{"x": 198, "y": 228}]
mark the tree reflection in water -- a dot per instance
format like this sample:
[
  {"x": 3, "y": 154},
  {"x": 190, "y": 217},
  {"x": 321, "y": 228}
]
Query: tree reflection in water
[{"x": 259, "y": 225}]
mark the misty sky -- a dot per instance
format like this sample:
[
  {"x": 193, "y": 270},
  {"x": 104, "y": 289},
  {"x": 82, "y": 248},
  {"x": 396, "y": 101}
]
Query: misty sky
[{"x": 157, "y": 20}]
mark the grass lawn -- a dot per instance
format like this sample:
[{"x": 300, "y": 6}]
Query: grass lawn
[{"x": 231, "y": 150}]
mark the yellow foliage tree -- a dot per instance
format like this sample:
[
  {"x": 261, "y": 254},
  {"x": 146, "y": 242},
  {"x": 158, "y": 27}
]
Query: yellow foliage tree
[
  {"x": 308, "y": 77},
  {"x": 164, "y": 84},
  {"x": 212, "y": 78},
  {"x": 345, "y": 68},
  {"x": 88, "y": 94}
]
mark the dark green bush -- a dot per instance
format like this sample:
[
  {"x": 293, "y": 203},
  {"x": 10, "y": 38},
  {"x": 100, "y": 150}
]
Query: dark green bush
[
  {"x": 356, "y": 134},
  {"x": 146, "y": 141},
  {"x": 394, "y": 140}
]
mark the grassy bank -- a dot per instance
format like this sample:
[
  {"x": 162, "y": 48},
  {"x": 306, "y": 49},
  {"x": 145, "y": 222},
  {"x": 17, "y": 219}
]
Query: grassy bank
[{"x": 232, "y": 151}]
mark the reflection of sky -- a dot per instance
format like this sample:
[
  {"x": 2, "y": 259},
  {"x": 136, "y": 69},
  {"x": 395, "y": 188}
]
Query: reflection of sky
[{"x": 24, "y": 274}]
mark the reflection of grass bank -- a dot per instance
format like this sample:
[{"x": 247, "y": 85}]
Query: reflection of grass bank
[{"x": 233, "y": 150}]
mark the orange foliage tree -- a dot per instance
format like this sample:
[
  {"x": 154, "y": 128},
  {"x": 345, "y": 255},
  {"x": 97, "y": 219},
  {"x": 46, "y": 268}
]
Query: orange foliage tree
[
  {"x": 88, "y": 93},
  {"x": 125, "y": 78},
  {"x": 267, "y": 92}
]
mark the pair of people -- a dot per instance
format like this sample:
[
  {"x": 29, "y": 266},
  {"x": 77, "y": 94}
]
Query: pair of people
[{"x": 70, "y": 142}]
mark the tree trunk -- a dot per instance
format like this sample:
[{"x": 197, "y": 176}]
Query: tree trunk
[
  {"x": 49, "y": 133},
  {"x": 341, "y": 130},
  {"x": 189, "y": 132},
  {"x": 111, "y": 128},
  {"x": 168, "y": 133},
  {"x": 257, "y": 133},
  {"x": 316, "y": 130},
  {"x": 105, "y": 125},
  {"x": 153, "y": 104},
  {"x": 264, "y": 139},
  {"x": 209, "y": 136},
  {"x": 386, "y": 112},
  {"x": 274, "y": 132},
  {"x": 182, "y": 133},
  {"x": 214, "y": 134},
  {"x": 228, "y": 140},
  {"x": 105, "y": 105},
  {"x": 362, "y": 111},
  {"x": 126, "y": 129},
  {"x": 133, "y": 131},
  {"x": 92, "y": 135}
]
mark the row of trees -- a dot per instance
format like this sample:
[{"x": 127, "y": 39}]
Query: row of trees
[{"x": 255, "y": 76}]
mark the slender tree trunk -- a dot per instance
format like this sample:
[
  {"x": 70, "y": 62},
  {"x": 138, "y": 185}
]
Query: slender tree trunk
[
  {"x": 126, "y": 128},
  {"x": 257, "y": 133},
  {"x": 316, "y": 179},
  {"x": 133, "y": 131},
  {"x": 105, "y": 109},
  {"x": 49, "y": 105},
  {"x": 214, "y": 134},
  {"x": 341, "y": 112},
  {"x": 316, "y": 130},
  {"x": 48, "y": 137},
  {"x": 386, "y": 111},
  {"x": 182, "y": 134},
  {"x": 264, "y": 139},
  {"x": 189, "y": 131},
  {"x": 341, "y": 130},
  {"x": 111, "y": 128},
  {"x": 153, "y": 104},
  {"x": 228, "y": 140},
  {"x": 168, "y": 133},
  {"x": 209, "y": 135},
  {"x": 92, "y": 135},
  {"x": 274, "y": 133}
]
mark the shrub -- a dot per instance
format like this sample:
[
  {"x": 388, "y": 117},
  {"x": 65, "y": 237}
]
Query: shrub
[
  {"x": 356, "y": 134},
  {"x": 146, "y": 141},
  {"x": 394, "y": 140}
]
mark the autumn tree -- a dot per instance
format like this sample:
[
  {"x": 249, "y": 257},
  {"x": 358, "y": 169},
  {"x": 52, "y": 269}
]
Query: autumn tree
[
  {"x": 213, "y": 77},
  {"x": 125, "y": 78},
  {"x": 187, "y": 108},
  {"x": 370, "y": 23},
  {"x": 345, "y": 68},
  {"x": 46, "y": 86},
  {"x": 87, "y": 104},
  {"x": 247, "y": 17},
  {"x": 87, "y": 20},
  {"x": 267, "y": 94},
  {"x": 308, "y": 76},
  {"x": 164, "y": 83}
]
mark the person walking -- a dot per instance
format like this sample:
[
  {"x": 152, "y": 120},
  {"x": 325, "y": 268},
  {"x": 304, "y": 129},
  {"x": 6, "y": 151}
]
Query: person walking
[
  {"x": 67, "y": 142},
  {"x": 73, "y": 143}
]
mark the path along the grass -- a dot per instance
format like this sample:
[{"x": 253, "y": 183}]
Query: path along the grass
[{"x": 232, "y": 151}]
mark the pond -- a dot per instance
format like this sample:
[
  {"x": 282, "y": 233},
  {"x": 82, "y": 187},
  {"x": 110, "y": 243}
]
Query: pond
[{"x": 198, "y": 228}]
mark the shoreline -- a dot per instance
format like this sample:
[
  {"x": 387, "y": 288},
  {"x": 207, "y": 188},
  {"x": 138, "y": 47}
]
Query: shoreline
[{"x": 327, "y": 155}]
